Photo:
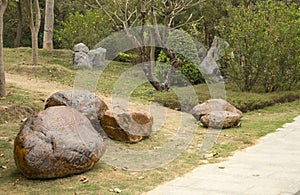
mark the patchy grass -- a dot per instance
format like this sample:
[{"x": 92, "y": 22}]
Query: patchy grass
[
  {"x": 104, "y": 177},
  {"x": 56, "y": 66}
]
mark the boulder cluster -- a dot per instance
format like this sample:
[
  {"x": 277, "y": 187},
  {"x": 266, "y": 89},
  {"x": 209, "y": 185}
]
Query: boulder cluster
[{"x": 68, "y": 136}]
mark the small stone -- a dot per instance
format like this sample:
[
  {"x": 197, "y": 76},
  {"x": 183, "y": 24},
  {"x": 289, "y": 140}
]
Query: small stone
[
  {"x": 3, "y": 167},
  {"x": 1, "y": 155}
]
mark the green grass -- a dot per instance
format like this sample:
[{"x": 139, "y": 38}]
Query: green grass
[
  {"x": 20, "y": 104},
  {"x": 104, "y": 177}
]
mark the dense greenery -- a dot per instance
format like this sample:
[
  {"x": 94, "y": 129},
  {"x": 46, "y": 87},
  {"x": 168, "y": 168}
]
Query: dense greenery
[
  {"x": 184, "y": 45},
  {"x": 263, "y": 36},
  {"x": 265, "y": 44},
  {"x": 89, "y": 28}
]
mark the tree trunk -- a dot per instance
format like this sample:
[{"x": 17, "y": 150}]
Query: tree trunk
[
  {"x": 49, "y": 24},
  {"x": 35, "y": 48},
  {"x": 2, "y": 73},
  {"x": 35, "y": 23},
  {"x": 20, "y": 24}
]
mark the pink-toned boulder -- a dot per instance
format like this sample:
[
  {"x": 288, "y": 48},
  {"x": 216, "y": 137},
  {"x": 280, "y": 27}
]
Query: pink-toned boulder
[
  {"x": 217, "y": 113},
  {"x": 127, "y": 125}
]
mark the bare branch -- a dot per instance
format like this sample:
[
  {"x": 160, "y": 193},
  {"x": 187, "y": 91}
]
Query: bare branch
[
  {"x": 188, "y": 21},
  {"x": 106, "y": 12}
]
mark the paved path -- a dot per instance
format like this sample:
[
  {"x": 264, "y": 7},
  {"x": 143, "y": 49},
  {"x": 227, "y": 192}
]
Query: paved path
[{"x": 271, "y": 167}]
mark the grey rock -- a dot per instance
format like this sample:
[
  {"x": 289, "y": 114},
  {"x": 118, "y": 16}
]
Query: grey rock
[
  {"x": 57, "y": 142},
  {"x": 97, "y": 57},
  {"x": 85, "y": 58},
  {"x": 85, "y": 102},
  {"x": 81, "y": 47}
]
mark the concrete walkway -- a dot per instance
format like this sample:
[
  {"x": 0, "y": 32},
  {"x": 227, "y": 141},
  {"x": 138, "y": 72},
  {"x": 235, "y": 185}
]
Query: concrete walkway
[{"x": 271, "y": 167}]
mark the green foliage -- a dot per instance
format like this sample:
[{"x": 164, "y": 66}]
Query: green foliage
[
  {"x": 88, "y": 28},
  {"x": 180, "y": 42},
  {"x": 264, "y": 40},
  {"x": 244, "y": 101},
  {"x": 126, "y": 57}
]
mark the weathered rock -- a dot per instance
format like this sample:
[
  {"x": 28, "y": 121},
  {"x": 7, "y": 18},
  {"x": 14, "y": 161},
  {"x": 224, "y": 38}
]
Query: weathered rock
[
  {"x": 85, "y": 102},
  {"x": 97, "y": 57},
  {"x": 217, "y": 113},
  {"x": 220, "y": 119},
  {"x": 85, "y": 58},
  {"x": 57, "y": 142},
  {"x": 129, "y": 126},
  {"x": 81, "y": 56},
  {"x": 81, "y": 47},
  {"x": 214, "y": 105}
]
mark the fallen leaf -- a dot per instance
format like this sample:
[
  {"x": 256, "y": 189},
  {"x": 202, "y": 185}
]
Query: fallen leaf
[
  {"x": 3, "y": 167},
  {"x": 221, "y": 167},
  {"x": 156, "y": 148},
  {"x": 256, "y": 175},
  {"x": 1, "y": 155},
  {"x": 141, "y": 177},
  {"x": 84, "y": 179},
  {"x": 16, "y": 182},
  {"x": 24, "y": 119},
  {"x": 124, "y": 168},
  {"x": 117, "y": 190}
]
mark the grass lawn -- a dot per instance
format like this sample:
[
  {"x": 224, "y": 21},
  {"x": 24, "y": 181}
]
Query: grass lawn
[{"x": 21, "y": 103}]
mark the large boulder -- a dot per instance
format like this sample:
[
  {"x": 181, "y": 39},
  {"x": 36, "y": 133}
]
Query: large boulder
[
  {"x": 57, "y": 142},
  {"x": 85, "y": 102},
  {"x": 127, "y": 125},
  {"x": 215, "y": 112}
]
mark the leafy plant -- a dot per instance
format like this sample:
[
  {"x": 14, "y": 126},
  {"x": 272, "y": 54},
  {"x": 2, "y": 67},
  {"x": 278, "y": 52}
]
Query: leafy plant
[
  {"x": 184, "y": 45},
  {"x": 88, "y": 28},
  {"x": 264, "y": 40}
]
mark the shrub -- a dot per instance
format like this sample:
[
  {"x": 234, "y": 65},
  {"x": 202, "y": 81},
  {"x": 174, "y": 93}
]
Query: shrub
[
  {"x": 88, "y": 28},
  {"x": 180, "y": 42},
  {"x": 264, "y": 38}
]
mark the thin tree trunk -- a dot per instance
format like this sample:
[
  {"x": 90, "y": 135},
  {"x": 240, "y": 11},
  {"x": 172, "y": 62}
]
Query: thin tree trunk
[
  {"x": 35, "y": 56},
  {"x": 49, "y": 24},
  {"x": 35, "y": 23},
  {"x": 20, "y": 24},
  {"x": 2, "y": 73}
]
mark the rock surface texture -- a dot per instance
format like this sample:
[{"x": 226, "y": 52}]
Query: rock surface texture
[
  {"x": 85, "y": 102},
  {"x": 127, "y": 125},
  {"x": 57, "y": 142},
  {"x": 85, "y": 58},
  {"x": 217, "y": 113}
]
